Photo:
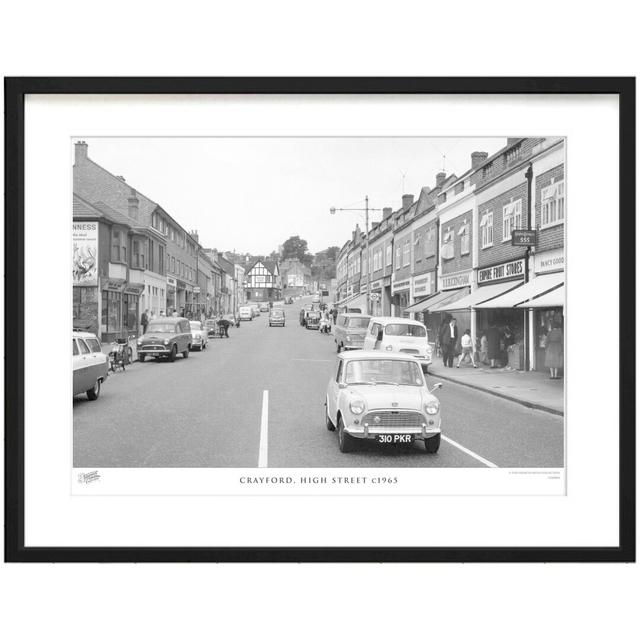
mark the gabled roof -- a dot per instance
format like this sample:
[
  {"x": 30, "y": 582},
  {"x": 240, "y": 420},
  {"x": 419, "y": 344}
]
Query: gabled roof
[
  {"x": 84, "y": 209},
  {"x": 425, "y": 201},
  {"x": 270, "y": 265},
  {"x": 116, "y": 216}
]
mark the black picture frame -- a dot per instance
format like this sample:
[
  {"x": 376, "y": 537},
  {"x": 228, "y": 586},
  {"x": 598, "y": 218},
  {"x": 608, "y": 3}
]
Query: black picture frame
[{"x": 15, "y": 91}]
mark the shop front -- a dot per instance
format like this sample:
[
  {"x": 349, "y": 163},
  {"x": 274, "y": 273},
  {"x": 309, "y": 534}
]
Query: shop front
[
  {"x": 131, "y": 309},
  {"x": 172, "y": 297},
  {"x": 377, "y": 301},
  {"x": 111, "y": 313},
  {"x": 401, "y": 296}
]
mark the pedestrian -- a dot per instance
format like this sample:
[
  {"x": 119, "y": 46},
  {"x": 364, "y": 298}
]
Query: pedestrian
[
  {"x": 484, "y": 348},
  {"x": 554, "y": 350},
  {"x": 493, "y": 345},
  {"x": 162, "y": 315},
  {"x": 223, "y": 323},
  {"x": 174, "y": 313},
  {"x": 144, "y": 321},
  {"x": 334, "y": 313},
  {"x": 449, "y": 340},
  {"x": 467, "y": 349}
]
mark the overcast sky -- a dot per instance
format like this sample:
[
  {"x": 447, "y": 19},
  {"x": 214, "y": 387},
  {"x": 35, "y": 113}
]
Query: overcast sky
[{"x": 251, "y": 194}]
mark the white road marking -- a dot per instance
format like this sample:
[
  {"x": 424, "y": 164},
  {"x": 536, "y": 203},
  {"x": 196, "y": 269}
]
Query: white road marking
[
  {"x": 469, "y": 452},
  {"x": 263, "y": 455}
]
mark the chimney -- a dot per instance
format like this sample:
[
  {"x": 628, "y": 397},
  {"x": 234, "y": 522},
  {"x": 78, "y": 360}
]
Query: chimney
[
  {"x": 82, "y": 151},
  {"x": 386, "y": 212},
  {"x": 440, "y": 178},
  {"x": 133, "y": 204},
  {"x": 407, "y": 200},
  {"x": 194, "y": 235},
  {"x": 511, "y": 141},
  {"x": 477, "y": 158}
]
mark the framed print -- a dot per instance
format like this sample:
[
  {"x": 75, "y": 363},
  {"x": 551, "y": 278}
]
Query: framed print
[{"x": 320, "y": 319}]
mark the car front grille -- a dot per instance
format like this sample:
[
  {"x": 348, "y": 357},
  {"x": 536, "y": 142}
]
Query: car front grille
[
  {"x": 393, "y": 419},
  {"x": 151, "y": 347}
]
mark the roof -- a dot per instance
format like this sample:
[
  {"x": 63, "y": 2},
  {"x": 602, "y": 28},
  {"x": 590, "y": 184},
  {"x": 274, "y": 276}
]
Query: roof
[
  {"x": 375, "y": 355},
  {"x": 116, "y": 216},
  {"x": 270, "y": 265}
]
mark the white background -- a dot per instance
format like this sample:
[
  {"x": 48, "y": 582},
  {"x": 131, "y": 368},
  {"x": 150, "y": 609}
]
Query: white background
[{"x": 331, "y": 39}]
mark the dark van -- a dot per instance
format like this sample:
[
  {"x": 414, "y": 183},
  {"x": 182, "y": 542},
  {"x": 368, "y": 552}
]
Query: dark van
[{"x": 165, "y": 338}]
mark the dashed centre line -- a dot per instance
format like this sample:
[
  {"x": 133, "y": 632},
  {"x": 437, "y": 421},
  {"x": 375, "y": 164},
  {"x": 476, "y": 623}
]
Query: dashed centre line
[{"x": 469, "y": 452}]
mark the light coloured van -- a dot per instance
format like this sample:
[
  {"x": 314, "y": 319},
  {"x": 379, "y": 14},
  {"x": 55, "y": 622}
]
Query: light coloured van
[
  {"x": 398, "y": 335},
  {"x": 245, "y": 313},
  {"x": 349, "y": 330}
]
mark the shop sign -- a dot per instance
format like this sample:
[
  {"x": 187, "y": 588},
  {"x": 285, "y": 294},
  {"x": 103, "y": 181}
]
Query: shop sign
[
  {"x": 455, "y": 280},
  {"x": 374, "y": 297},
  {"x": 400, "y": 285},
  {"x": 113, "y": 285},
  {"x": 523, "y": 238},
  {"x": 549, "y": 261},
  {"x": 134, "y": 289},
  {"x": 85, "y": 254},
  {"x": 506, "y": 271},
  {"x": 376, "y": 285},
  {"x": 171, "y": 281},
  {"x": 196, "y": 289},
  {"x": 422, "y": 286},
  {"x": 387, "y": 281}
]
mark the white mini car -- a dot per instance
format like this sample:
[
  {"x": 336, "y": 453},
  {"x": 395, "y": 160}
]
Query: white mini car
[
  {"x": 382, "y": 397},
  {"x": 199, "y": 335}
]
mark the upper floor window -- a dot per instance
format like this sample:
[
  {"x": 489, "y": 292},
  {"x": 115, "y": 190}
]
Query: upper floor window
[
  {"x": 447, "y": 245},
  {"x": 406, "y": 253},
  {"x": 459, "y": 188},
  {"x": 553, "y": 204},
  {"x": 511, "y": 219},
  {"x": 430, "y": 242},
  {"x": 463, "y": 232},
  {"x": 486, "y": 229},
  {"x": 389, "y": 251},
  {"x": 118, "y": 246},
  {"x": 398, "y": 257}
]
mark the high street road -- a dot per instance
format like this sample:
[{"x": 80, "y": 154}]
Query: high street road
[{"x": 257, "y": 399}]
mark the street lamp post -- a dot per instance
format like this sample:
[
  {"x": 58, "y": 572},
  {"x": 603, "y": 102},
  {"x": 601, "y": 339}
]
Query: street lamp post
[{"x": 366, "y": 210}]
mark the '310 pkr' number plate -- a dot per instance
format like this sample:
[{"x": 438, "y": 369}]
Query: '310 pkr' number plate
[{"x": 396, "y": 438}]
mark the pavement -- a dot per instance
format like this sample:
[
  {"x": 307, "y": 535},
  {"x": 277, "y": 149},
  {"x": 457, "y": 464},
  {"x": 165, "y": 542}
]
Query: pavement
[
  {"x": 530, "y": 388},
  {"x": 258, "y": 398}
]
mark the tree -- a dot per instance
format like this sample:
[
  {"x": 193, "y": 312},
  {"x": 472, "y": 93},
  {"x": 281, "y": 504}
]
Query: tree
[{"x": 295, "y": 248}]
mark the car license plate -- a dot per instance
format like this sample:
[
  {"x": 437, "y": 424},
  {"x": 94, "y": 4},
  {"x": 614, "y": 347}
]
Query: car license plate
[{"x": 395, "y": 438}]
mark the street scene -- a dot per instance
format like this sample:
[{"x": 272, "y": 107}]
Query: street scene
[{"x": 429, "y": 334}]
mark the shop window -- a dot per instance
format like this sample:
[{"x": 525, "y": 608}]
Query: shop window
[
  {"x": 552, "y": 198},
  {"x": 447, "y": 245},
  {"x": 463, "y": 232},
  {"x": 486, "y": 229},
  {"x": 130, "y": 312},
  {"x": 511, "y": 219},
  {"x": 111, "y": 302}
]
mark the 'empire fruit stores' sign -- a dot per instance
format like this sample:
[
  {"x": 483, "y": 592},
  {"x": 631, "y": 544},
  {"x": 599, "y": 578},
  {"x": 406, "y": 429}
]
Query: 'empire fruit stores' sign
[{"x": 504, "y": 271}]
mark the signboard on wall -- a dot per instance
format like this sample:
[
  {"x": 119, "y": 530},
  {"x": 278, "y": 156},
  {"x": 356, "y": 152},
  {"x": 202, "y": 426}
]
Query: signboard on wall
[
  {"x": 548, "y": 261},
  {"x": 85, "y": 254},
  {"x": 455, "y": 280},
  {"x": 422, "y": 286},
  {"x": 505, "y": 271},
  {"x": 523, "y": 238}
]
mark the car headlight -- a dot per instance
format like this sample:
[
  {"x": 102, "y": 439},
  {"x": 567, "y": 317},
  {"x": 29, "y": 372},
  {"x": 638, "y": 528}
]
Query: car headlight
[
  {"x": 429, "y": 350},
  {"x": 356, "y": 406},
  {"x": 139, "y": 343},
  {"x": 348, "y": 338},
  {"x": 388, "y": 348},
  {"x": 432, "y": 407},
  {"x": 166, "y": 342}
]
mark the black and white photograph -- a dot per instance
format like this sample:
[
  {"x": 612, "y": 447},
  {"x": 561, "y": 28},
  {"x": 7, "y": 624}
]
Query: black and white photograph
[{"x": 318, "y": 302}]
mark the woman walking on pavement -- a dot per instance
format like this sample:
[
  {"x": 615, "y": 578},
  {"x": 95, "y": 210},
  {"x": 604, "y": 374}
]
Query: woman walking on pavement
[
  {"x": 493, "y": 345},
  {"x": 553, "y": 355},
  {"x": 467, "y": 349}
]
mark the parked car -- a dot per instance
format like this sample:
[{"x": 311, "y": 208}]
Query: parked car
[
  {"x": 382, "y": 397},
  {"x": 90, "y": 365},
  {"x": 199, "y": 335},
  {"x": 246, "y": 313},
  {"x": 288, "y": 300},
  {"x": 276, "y": 317},
  {"x": 349, "y": 330},
  {"x": 165, "y": 338},
  {"x": 263, "y": 306},
  {"x": 316, "y": 298},
  {"x": 398, "y": 335},
  {"x": 255, "y": 309}
]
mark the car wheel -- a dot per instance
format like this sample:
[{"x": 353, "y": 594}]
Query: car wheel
[
  {"x": 185, "y": 354},
  {"x": 174, "y": 353},
  {"x": 141, "y": 357},
  {"x": 327, "y": 419},
  {"x": 93, "y": 394},
  {"x": 432, "y": 444},
  {"x": 345, "y": 441}
]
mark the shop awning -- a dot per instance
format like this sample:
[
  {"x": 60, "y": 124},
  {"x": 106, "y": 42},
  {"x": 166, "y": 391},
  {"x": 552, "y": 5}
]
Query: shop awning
[
  {"x": 420, "y": 305},
  {"x": 536, "y": 287},
  {"x": 434, "y": 303},
  {"x": 359, "y": 300},
  {"x": 553, "y": 298},
  {"x": 481, "y": 294}
]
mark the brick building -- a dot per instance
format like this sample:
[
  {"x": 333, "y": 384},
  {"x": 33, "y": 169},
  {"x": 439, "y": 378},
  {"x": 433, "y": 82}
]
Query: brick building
[{"x": 296, "y": 278}]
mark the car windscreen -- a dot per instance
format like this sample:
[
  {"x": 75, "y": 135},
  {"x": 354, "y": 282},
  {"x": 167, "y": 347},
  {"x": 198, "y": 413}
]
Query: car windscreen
[
  {"x": 195, "y": 325},
  {"x": 411, "y": 330},
  {"x": 372, "y": 372},
  {"x": 277, "y": 312},
  {"x": 162, "y": 327},
  {"x": 358, "y": 323}
]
